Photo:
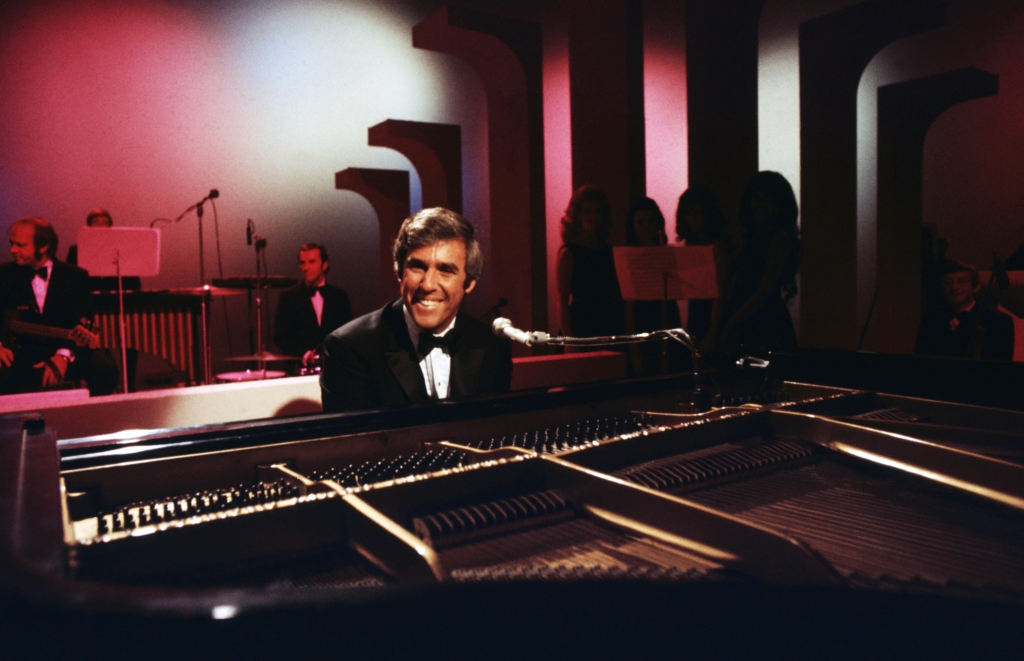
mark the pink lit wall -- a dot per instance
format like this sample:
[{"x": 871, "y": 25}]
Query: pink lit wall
[
  {"x": 143, "y": 106},
  {"x": 665, "y": 106}
]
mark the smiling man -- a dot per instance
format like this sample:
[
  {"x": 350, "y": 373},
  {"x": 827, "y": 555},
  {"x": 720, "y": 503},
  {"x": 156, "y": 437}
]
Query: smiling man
[
  {"x": 419, "y": 348},
  {"x": 963, "y": 327}
]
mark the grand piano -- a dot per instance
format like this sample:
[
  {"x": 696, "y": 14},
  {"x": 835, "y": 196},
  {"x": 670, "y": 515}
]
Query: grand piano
[{"x": 597, "y": 520}]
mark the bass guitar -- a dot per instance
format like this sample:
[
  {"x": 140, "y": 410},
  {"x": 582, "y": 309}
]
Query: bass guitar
[{"x": 80, "y": 335}]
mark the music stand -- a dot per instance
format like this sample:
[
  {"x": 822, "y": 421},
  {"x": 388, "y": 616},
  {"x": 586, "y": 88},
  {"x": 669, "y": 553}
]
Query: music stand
[
  {"x": 666, "y": 273},
  {"x": 120, "y": 251}
]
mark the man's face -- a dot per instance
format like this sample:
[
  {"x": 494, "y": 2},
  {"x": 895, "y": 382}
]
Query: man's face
[
  {"x": 312, "y": 267},
  {"x": 23, "y": 248},
  {"x": 958, "y": 289},
  {"x": 434, "y": 283}
]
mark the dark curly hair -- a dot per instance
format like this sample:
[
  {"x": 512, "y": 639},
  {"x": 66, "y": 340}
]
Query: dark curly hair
[
  {"x": 572, "y": 221},
  {"x": 775, "y": 187},
  {"x": 644, "y": 204},
  {"x": 714, "y": 220}
]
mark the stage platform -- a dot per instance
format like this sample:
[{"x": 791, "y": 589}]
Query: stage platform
[{"x": 73, "y": 414}]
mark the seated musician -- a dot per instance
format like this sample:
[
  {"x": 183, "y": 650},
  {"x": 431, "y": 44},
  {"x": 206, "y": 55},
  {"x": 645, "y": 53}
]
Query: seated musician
[
  {"x": 37, "y": 289},
  {"x": 307, "y": 312},
  {"x": 962, "y": 327},
  {"x": 419, "y": 348}
]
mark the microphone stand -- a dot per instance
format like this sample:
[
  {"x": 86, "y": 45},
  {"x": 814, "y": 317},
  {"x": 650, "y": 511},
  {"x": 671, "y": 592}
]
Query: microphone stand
[
  {"x": 204, "y": 305},
  {"x": 206, "y": 296},
  {"x": 261, "y": 245},
  {"x": 703, "y": 399},
  {"x": 121, "y": 324}
]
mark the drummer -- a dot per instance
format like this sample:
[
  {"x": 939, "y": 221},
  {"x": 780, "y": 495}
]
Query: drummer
[{"x": 309, "y": 311}]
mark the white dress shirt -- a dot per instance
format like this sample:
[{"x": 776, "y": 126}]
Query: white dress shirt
[
  {"x": 317, "y": 300},
  {"x": 39, "y": 286},
  {"x": 436, "y": 365}
]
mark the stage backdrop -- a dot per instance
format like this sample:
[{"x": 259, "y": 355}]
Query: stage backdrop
[{"x": 142, "y": 107}]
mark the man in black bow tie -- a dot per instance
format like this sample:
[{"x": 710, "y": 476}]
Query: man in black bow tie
[
  {"x": 963, "y": 327},
  {"x": 38, "y": 289},
  {"x": 419, "y": 348},
  {"x": 307, "y": 312}
]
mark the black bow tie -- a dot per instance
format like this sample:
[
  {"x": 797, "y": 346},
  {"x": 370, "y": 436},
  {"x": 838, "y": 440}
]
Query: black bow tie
[
  {"x": 428, "y": 342},
  {"x": 314, "y": 290},
  {"x": 43, "y": 272}
]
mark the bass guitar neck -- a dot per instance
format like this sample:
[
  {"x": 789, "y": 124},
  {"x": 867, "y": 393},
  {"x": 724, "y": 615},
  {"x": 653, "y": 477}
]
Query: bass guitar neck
[
  {"x": 40, "y": 330},
  {"x": 79, "y": 335}
]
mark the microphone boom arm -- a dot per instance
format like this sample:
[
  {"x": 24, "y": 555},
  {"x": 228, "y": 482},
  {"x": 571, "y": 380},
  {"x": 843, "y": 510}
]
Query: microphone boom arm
[{"x": 677, "y": 334}]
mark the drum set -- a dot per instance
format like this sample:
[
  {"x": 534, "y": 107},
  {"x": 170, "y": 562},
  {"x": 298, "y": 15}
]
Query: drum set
[
  {"x": 235, "y": 286},
  {"x": 259, "y": 284}
]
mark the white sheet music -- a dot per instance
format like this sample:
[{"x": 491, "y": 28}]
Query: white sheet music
[{"x": 666, "y": 272}]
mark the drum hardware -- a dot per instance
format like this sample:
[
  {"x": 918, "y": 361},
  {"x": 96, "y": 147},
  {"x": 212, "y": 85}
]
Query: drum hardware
[
  {"x": 252, "y": 282},
  {"x": 264, "y": 356},
  {"x": 249, "y": 375},
  {"x": 313, "y": 367},
  {"x": 206, "y": 290}
]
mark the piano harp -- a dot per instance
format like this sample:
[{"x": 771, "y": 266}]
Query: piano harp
[{"x": 799, "y": 497}]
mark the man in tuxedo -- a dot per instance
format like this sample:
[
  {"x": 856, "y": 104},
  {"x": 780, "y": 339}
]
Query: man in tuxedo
[
  {"x": 962, "y": 327},
  {"x": 419, "y": 348},
  {"x": 307, "y": 312},
  {"x": 38, "y": 289}
]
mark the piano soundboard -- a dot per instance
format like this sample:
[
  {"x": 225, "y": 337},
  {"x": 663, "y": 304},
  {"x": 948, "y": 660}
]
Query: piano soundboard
[{"x": 764, "y": 493}]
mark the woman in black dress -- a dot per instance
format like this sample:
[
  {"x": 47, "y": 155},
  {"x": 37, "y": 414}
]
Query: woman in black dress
[
  {"x": 589, "y": 301},
  {"x": 700, "y": 222},
  {"x": 764, "y": 273},
  {"x": 645, "y": 226}
]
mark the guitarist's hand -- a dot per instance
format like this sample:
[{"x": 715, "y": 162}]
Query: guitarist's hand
[
  {"x": 84, "y": 337},
  {"x": 58, "y": 362},
  {"x": 6, "y": 356}
]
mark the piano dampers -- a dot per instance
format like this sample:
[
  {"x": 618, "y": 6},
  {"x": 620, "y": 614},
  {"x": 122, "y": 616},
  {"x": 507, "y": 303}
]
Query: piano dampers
[
  {"x": 894, "y": 414},
  {"x": 686, "y": 474},
  {"x": 463, "y": 524}
]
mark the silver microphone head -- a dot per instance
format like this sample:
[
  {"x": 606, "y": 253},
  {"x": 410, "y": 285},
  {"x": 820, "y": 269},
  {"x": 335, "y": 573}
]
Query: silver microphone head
[{"x": 499, "y": 325}]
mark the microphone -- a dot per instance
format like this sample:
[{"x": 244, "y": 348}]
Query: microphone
[
  {"x": 248, "y": 232},
  {"x": 503, "y": 327},
  {"x": 214, "y": 194}
]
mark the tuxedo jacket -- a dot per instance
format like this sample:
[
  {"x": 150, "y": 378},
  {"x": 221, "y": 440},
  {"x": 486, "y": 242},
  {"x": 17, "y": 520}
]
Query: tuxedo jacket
[
  {"x": 68, "y": 301},
  {"x": 371, "y": 363},
  {"x": 295, "y": 327},
  {"x": 979, "y": 333}
]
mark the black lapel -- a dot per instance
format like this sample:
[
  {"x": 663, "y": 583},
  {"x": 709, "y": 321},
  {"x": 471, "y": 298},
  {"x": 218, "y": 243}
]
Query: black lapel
[
  {"x": 308, "y": 311},
  {"x": 53, "y": 290},
  {"x": 401, "y": 355},
  {"x": 467, "y": 363}
]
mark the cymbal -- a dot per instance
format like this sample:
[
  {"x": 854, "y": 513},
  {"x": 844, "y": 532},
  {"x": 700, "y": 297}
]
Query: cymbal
[
  {"x": 265, "y": 356},
  {"x": 207, "y": 290},
  {"x": 249, "y": 282}
]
